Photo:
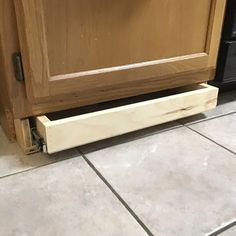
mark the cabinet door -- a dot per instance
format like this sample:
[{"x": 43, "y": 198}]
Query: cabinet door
[{"x": 74, "y": 46}]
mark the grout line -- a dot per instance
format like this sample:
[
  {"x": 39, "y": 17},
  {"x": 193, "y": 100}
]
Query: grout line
[
  {"x": 206, "y": 119},
  {"x": 38, "y": 167},
  {"x": 227, "y": 149},
  {"x": 222, "y": 229},
  {"x": 145, "y": 228},
  {"x": 79, "y": 152},
  {"x": 115, "y": 141},
  {"x": 24, "y": 171}
]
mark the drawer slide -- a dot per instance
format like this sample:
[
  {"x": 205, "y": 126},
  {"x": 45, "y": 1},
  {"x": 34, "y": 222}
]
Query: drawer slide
[{"x": 69, "y": 132}]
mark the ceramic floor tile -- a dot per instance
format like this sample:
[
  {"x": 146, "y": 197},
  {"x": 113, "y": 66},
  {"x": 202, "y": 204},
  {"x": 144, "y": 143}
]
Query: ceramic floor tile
[
  {"x": 63, "y": 199},
  {"x": 177, "y": 182},
  {"x": 130, "y": 137},
  {"x": 227, "y": 229},
  {"x": 13, "y": 160},
  {"x": 230, "y": 232},
  {"x": 226, "y": 105},
  {"x": 222, "y": 130}
]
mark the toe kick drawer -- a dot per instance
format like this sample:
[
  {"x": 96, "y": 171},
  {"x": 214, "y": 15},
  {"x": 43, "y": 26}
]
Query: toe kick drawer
[{"x": 68, "y": 132}]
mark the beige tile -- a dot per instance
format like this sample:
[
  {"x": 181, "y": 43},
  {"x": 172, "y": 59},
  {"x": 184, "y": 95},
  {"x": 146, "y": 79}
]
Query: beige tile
[
  {"x": 177, "y": 182},
  {"x": 63, "y": 199},
  {"x": 222, "y": 130},
  {"x": 13, "y": 160},
  {"x": 148, "y": 132},
  {"x": 229, "y": 232},
  {"x": 226, "y": 229}
]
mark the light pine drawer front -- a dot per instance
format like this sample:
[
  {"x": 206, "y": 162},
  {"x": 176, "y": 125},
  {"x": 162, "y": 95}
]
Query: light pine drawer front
[{"x": 90, "y": 127}]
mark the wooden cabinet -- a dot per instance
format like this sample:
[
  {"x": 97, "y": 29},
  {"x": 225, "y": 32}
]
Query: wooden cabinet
[
  {"x": 77, "y": 46},
  {"x": 80, "y": 52}
]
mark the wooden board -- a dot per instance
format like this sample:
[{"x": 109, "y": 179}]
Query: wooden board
[
  {"x": 6, "y": 122},
  {"x": 21, "y": 107},
  {"x": 82, "y": 129},
  {"x": 6, "y": 114},
  {"x": 23, "y": 136},
  {"x": 14, "y": 97},
  {"x": 97, "y": 95}
]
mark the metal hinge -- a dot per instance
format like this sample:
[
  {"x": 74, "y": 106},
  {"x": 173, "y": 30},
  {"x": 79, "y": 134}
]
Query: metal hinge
[
  {"x": 38, "y": 140},
  {"x": 18, "y": 67}
]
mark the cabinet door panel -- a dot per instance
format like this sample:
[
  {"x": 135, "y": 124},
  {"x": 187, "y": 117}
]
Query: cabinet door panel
[{"x": 72, "y": 46}]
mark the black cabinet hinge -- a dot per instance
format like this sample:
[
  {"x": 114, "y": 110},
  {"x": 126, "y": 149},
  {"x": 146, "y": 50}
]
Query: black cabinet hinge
[
  {"x": 18, "y": 67},
  {"x": 38, "y": 140}
]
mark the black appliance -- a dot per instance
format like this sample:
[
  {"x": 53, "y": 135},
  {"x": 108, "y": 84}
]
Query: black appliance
[{"x": 226, "y": 65}]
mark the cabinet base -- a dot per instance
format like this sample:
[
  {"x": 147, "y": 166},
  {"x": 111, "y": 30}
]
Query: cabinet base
[
  {"x": 57, "y": 132},
  {"x": 24, "y": 136},
  {"x": 69, "y": 131}
]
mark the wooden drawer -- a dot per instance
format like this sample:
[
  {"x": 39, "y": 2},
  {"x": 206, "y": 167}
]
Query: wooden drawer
[{"x": 60, "y": 134}]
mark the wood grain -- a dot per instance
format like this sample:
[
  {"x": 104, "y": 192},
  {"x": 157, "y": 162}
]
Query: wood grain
[
  {"x": 6, "y": 122},
  {"x": 103, "y": 34},
  {"x": 129, "y": 73},
  {"x": 24, "y": 137},
  {"x": 14, "y": 93},
  {"x": 114, "y": 92},
  {"x": 79, "y": 130},
  {"x": 214, "y": 30},
  {"x": 6, "y": 110},
  {"x": 95, "y": 47},
  {"x": 31, "y": 29}
]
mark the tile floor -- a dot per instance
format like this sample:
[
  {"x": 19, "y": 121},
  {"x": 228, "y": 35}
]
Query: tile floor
[{"x": 174, "y": 179}]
